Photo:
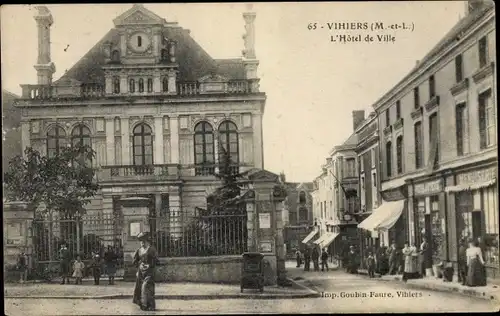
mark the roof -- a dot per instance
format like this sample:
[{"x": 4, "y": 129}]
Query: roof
[
  {"x": 194, "y": 62},
  {"x": 450, "y": 37}
]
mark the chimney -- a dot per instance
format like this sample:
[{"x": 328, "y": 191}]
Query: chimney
[
  {"x": 282, "y": 177},
  {"x": 357, "y": 118},
  {"x": 249, "y": 57},
  {"x": 44, "y": 67}
]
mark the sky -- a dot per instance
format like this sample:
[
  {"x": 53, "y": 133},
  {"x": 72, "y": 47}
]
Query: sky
[{"x": 312, "y": 84}]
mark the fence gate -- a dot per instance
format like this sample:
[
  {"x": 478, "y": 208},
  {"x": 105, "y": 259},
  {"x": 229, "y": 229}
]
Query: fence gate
[{"x": 83, "y": 235}]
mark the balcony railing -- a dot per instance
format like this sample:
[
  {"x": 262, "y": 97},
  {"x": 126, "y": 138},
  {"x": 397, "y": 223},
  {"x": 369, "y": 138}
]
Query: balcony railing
[
  {"x": 140, "y": 172},
  {"x": 97, "y": 90},
  {"x": 210, "y": 169}
]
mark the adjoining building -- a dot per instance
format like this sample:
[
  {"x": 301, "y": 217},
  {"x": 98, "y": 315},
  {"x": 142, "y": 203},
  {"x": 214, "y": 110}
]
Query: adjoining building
[
  {"x": 438, "y": 144},
  {"x": 11, "y": 128}
]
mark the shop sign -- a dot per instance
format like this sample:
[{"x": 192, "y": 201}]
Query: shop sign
[
  {"x": 394, "y": 194},
  {"x": 477, "y": 176},
  {"x": 428, "y": 187}
]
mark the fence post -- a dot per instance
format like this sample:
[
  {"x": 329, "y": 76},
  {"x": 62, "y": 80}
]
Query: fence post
[
  {"x": 78, "y": 234},
  {"x": 51, "y": 223}
]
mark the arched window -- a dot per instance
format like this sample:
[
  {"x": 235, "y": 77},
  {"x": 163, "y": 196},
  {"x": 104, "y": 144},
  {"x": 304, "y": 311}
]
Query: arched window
[
  {"x": 150, "y": 85},
  {"x": 302, "y": 197},
  {"x": 165, "y": 84},
  {"x": 204, "y": 148},
  {"x": 116, "y": 84},
  {"x": 141, "y": 85},
  {"x": 131, "y": 86},
  {"x": 229, "y": 140},
  {"x": 56, "y": 140},
  {"x": 81, "y": 135},
  {"x": 115, "y": 56},
  {"x": 303, "y": 214},
  {"x": 143, "y": 145},
  {"x": 388, "y": 158},
  {"x": 399, "y": 154}
]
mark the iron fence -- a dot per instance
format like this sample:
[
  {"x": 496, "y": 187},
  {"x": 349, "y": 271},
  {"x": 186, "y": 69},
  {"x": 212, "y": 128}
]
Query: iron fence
[{"x": 197, "y": 233}]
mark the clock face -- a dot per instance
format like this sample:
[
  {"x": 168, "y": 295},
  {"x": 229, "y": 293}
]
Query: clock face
[{"x": 139, "y": 42}]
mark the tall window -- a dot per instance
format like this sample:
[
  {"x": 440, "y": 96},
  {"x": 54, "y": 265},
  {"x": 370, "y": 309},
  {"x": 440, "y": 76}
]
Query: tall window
[
  {"x": 416, "y": 98},
  {"x": 483, "y": 51},
  {"x": 399, "y": 154},
  {"x": 388, "y": 158},
  {"x": 302, "y": 197},
  {"x": 487, "y": 120},
  {"x": 303, "y": 214},
  {"x": 350, "y": 167},
  {"x": 204, "y": 144},
  {"x": 131, "y": 85},
  {"x": 387, "y": 118},
  {"x": 139, "y": 41},
  {"x": 141, "y": 85},
  {"x": 419, "y": 145},
  {"x": 165, "y": 84},
  {"x": 398, "y": 110},
  {"x": 81, "y": 135},
  {"x": 116, "y": 84},
  {"x": 432, "y": 87},
  {"x": 56, "y": 140},
  {"x": 434, "y": 135},
  {"x": 459, "y": 76},
  {"x": 459, "y": 116},
  {"x": 143, "y": 145},
  {"x": 373, "y": 157},
  {"x": 150, "y": 85},
  {"x": 229, "y": 139}
]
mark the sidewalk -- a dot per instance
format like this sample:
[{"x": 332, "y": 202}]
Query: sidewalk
[
  {"x": 173, "y": 291},
  {"x": 489, "y": 292}
]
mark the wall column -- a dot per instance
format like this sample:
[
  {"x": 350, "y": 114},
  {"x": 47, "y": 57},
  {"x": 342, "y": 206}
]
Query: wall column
[
  {"x": 25, "y": 136},
  {"x": 125, "y": 141},
  {"x": 258, "y": 160},
  {"x": 110, "y": 141},
  {"x": 174, "y": 139},
  {"x": 158, "y": 142}
]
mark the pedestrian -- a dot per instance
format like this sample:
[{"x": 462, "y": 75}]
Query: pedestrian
[
  {"x": 22, "y": 267},
  {"x": 352, "y": 261},
  {"x": 324, "y": 260},
  {"x": 146, "y": 259},
  {"x": 426, "y": 256},
  {"x": 96, "y": 268},
  {"x": 111, "y": 260},
  {"x": 65, "y": 261},
  {"x": 462, "y": 262},
  {"x": 78, "y": 267},
  {"x": 298, "y": 257},
  {"x": 315, "y": 258},
  {"x": 307, "y": 259},
  {"x": 370, "y": 264},
  {"x": 475, "y": 265},
  {"x": 393, "y": 259},
  {"x": 410, "y": 262}
]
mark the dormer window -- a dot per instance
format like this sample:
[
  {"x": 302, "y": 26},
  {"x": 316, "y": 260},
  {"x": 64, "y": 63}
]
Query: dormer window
[
  {"x": 164, "y": 55},
  {"x": 115, "y": 56},
  {"x": 116, "y": 85},
  {"x": 139, "y": 41}
]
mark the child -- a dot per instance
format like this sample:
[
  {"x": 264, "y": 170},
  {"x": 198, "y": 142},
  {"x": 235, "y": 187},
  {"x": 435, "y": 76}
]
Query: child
[
  {"x": 96, "y": 269},
  {"x": 78, "y": 267},
  {"x": 370, "y": 263},
  {"x": 22, "y": 266}
]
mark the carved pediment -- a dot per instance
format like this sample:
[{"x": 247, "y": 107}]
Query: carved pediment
[
  {"x": 138, "y": 14},
  {"x": 213, "y": 78},
  {"x": 261, "y": 175}
]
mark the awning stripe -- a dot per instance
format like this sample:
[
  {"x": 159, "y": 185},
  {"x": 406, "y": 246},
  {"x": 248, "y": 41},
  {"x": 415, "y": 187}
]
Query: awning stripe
[
  {"x": 383, "y": 216},
  {"x": 310, "y": 236},
  {"x": 329, "y": 238},
  {"x": 467, "y": 187}
]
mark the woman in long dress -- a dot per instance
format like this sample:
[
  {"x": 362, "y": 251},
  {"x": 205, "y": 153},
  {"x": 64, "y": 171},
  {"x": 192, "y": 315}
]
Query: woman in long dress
[
  {"x": 145, "y": 258},
  {"x": 410, "y": 263},
  {"x": 475, "y": 265}
]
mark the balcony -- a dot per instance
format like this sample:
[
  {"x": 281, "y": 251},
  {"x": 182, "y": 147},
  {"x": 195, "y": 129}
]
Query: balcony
[
  {"x": 139, "y": 172},
  {"x": 75, "y": 90},
  {"x": 209, "y": 169}
]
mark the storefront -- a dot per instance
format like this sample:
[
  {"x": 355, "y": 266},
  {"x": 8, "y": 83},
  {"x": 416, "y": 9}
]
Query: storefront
[
  {"x": 427, "y": 218},
  {"x": 474, "y": 199}
]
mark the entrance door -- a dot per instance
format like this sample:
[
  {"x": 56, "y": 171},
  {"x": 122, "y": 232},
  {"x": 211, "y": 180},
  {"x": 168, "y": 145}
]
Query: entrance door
[{"x": 476, "y": 224}]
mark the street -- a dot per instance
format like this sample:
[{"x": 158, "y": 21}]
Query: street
[{"x": 343, "y": 293}]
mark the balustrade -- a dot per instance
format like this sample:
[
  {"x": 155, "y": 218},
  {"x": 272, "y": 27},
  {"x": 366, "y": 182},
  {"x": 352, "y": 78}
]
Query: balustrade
[{"x": 139, "y": 172}]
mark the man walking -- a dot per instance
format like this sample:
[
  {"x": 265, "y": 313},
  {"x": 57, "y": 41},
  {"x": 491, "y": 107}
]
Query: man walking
[
  {"x": 315, "y": 258},
  {"x": 298, "y": 256},
  {"x": 393, "y": 259},
  {"x": 65, "y": 258},
  {"x": 462, "y": 262},
  {"x": 307, "y": 259},
  {"x": 324, "y": 260}
]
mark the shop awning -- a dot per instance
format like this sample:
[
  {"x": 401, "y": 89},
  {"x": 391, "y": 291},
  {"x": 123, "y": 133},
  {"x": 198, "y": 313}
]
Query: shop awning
[
  {"x": 319, "y": 240},
  {"x": 327, "y": 239},
  {"x": 310, "y": 236},
  {"x": 466, "y": 187},
  {"x": 384, "y": 216}
]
